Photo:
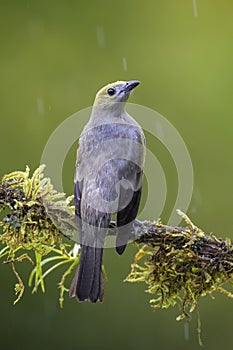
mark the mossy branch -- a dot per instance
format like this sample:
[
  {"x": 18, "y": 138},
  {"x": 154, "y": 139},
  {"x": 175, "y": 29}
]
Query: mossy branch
[
  {"x": 36, "y": 215},
  {"x": 182, "y": 264},
  {"x": 178, "y": 264}
]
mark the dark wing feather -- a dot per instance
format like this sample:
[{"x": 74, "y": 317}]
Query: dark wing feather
[
  {"x": 77, "y": 203},
  {"x": 125, "y": 219},
  {"x": 129, "y": 213},
  {"x": 134, "y": 174}
]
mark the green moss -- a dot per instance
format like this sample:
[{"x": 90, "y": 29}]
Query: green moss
[
  {"x": 29, "y": 225},
  {"x": 180, "y": 265}
]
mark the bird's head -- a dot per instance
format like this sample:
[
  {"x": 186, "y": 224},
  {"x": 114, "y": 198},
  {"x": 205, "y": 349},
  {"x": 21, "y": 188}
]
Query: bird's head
[{"x": 114, "y": 93}]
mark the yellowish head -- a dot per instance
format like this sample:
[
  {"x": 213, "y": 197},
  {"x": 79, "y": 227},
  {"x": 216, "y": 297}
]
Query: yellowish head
[{"x": 115, "y": 92}]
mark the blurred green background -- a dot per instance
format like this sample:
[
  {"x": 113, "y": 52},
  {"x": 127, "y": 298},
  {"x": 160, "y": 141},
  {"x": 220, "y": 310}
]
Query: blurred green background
[{"x": 55, "y": 55}]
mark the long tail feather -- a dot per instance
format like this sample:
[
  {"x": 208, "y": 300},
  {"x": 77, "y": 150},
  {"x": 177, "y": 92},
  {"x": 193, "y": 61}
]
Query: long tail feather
[{"x": 88, "y": 280}]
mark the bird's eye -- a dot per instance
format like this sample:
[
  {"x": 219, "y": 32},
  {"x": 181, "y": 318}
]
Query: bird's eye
[{"x": 111, "y": 91}]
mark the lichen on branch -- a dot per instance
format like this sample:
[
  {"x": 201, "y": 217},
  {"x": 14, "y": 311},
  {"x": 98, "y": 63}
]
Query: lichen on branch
[
  {"x": 35, "y": 214},
  {"x": 179, "y": 265}
]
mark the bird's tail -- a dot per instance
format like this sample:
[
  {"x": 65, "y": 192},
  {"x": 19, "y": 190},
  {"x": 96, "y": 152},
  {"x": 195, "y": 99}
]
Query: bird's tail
[{"x": 88, "y": 282}]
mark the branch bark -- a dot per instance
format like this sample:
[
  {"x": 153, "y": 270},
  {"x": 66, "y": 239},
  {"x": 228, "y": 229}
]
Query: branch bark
[{"x": 177, "y": 264}]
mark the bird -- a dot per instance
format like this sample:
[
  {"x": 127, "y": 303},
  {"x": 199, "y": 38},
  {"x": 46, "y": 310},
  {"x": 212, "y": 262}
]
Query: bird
[{"x": 107, "y": 184}]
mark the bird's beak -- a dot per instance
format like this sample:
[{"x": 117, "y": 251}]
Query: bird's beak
[{"x": 130, "y": 85}]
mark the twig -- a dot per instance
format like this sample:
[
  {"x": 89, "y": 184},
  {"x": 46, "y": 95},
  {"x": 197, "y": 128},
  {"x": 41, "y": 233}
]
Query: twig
[{"x": 178, "y": 264}]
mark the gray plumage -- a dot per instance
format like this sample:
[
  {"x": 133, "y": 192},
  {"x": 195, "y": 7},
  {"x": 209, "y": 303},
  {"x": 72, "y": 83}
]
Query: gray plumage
[{"x": 108, "y": 180}]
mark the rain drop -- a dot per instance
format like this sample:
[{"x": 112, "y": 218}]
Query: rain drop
[
  {"x": 195, "y": 8},
  {"x": 100, "y": 36},
  {"x": 40, "y": 105},
  {"x": 124, "y": 64}
]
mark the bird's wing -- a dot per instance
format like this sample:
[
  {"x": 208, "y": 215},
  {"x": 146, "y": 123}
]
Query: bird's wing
[
  {"x": 129, "y": 191},
  {"x": 126, "y": 217},
  {"x": 78, "y": 189},
  {"x": 77, "y": 203},
  {"x": 129, "y": 213}
]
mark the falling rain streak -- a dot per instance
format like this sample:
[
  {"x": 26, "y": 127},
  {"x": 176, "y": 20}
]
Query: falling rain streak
[
  {"x": 100, "y": 36},
  {"x": 124, "y": 64},
  {"x": 195, "y": 8},
  {"x": 40, "y": 105}
]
